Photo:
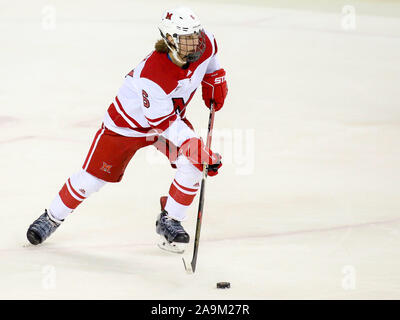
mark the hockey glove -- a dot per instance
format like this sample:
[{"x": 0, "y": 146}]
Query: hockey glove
[
  {"x": 214, "y": 89},
  {"x": 213, "y": 168},
  {"x": 195, "y": 150}
]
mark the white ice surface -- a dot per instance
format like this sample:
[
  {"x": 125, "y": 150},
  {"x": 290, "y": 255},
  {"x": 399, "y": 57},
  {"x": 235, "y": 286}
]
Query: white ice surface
[{"x": 319, "y": 105}]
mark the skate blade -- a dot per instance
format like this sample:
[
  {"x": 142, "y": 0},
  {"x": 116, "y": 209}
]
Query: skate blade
[
  {"x": 188, "y": 267},
  {"x": 173, "y": 247}
]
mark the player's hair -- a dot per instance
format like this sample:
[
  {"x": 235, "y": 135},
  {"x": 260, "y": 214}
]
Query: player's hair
[{"x": 161, "y": 46}]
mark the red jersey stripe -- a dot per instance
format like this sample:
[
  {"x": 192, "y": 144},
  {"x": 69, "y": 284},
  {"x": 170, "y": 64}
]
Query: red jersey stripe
[
  {"x": 215, "y": 47},
  {"x": 166, "y": 123},
  {"x": 121, "y": 122},
  {"x": 160, "y": 118},
  {"x": 117, "y": 118},
  {"x": 126, "y": 115}
]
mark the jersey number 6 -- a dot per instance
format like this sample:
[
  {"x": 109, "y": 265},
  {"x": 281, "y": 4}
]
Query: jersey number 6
[{"x": 146, "y": 101}]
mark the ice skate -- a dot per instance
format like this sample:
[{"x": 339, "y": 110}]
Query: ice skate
[
  {"x": 173, "y": 237},
  {"x": 42, "y": 228}
]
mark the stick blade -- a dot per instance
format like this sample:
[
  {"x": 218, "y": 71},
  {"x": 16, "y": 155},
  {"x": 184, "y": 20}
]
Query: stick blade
[{"x": 193, "y": 266}]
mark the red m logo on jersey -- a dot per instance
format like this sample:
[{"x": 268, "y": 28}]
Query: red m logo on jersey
[{"x": 169, "y": 16}]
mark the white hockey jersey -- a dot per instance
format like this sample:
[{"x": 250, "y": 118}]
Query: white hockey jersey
[{"x": 154, "y": 96}]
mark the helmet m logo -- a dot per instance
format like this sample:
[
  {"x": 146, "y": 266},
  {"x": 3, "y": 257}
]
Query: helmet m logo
[{"x": 169, "y": 16}]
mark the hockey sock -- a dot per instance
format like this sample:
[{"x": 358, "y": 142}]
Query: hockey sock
[
  {"x": 77, "y": 188},
  {"x": 183, "y": 189}
]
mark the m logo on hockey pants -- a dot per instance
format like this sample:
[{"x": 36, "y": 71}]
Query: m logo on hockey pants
[{"x": 106, "y": 167}]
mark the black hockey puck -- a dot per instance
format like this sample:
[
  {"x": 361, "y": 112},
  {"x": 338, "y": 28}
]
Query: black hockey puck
[{"x": 223, "y": 285}]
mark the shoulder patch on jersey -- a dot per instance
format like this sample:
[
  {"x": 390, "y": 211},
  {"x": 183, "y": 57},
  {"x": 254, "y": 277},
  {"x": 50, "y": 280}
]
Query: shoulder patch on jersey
[{"x": 159, "y": 69}]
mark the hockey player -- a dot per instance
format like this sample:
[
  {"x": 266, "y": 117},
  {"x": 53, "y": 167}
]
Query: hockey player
[{"x": 149, "y": 109}]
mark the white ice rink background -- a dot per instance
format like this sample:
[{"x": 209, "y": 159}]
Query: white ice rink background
[{"x": 306, "y": 205}]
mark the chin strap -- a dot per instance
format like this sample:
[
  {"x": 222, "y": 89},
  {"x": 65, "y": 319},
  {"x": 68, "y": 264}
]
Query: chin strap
[
  {"x": 176, "y": 56},
  {"x": 172, "y": 46},
  {"x": 172, "y": 49}
]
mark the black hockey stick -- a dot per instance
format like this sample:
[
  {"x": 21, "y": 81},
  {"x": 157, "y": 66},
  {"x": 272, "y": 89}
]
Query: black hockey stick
[{"x": 192, "y": 267}]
